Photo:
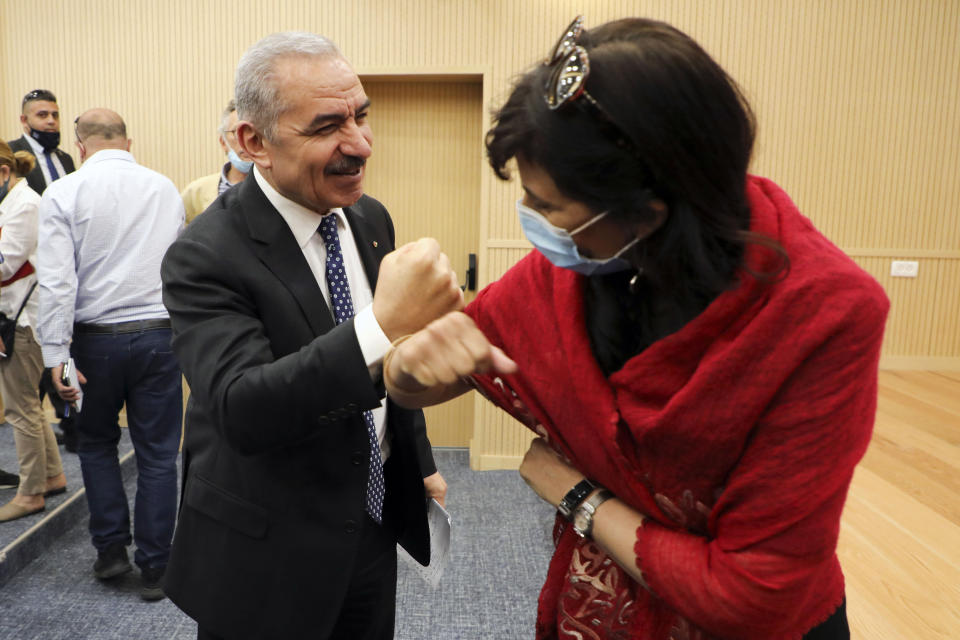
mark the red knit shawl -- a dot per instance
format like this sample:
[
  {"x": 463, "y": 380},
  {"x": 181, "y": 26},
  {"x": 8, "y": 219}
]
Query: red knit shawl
[{"x": 736, "y": 436}]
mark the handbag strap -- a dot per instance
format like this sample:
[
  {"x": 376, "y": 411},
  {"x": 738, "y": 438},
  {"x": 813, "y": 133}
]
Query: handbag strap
[{"x": 24, "y": 303}]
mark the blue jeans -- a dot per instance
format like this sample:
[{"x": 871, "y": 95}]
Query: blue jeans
[{"x": 138, "y": 369}]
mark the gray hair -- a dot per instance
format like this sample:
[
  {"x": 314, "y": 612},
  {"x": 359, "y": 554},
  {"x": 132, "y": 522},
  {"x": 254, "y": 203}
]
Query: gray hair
[
  {"x": 256, "y": 80},
  {"x": 225, "y": 117}
]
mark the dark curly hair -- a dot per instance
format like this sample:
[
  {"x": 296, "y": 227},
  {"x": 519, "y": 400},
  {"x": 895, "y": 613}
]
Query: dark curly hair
[{"x": 692, "y": 134}]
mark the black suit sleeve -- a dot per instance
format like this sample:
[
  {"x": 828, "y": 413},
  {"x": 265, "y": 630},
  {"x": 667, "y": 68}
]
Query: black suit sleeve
[{"x": 251, "y": 361}]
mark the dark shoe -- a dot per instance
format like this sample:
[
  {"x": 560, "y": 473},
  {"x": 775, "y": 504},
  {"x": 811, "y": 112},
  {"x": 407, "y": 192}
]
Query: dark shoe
[
  {"x": 9, "y": 480},
  {"x": 112, "y": 562},
  {"x": 54, "y": 492},
  {"x": 151, "y": 577}
]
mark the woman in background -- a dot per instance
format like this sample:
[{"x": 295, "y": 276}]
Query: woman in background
[
  {"x": 41, "y": 474},
  {"x": 699, "y": 362}
]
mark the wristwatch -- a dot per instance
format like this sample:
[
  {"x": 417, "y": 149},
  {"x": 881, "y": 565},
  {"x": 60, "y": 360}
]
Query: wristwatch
[
  {"x": 574, "y": 497},
  {"x": 583, "y": 516}
]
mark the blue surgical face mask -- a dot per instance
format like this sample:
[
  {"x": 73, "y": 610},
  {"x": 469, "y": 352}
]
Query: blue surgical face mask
[
  {"x": 558, "y": 247},
  {"x": 243, "y": 166}
]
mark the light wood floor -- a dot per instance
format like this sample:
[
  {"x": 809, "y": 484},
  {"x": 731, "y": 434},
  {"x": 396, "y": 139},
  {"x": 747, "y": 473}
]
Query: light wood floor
[{"x": 900, "y": 535}]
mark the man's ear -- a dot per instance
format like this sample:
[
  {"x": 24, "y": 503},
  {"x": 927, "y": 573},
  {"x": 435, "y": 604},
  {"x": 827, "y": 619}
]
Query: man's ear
[
  {"x": 129, "y": 143},
  {"x": 223, "y": 145},
  {"x": 23, "y": 121},
  {"x": 253, "y": 144}
]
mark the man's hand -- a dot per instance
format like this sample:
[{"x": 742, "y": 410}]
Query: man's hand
[
  {"x": 415, "y": 285},
  {"x": 445, "y": 351},
  {"x": 69, "y": 394},
  {"x": 436, "y": 487}
]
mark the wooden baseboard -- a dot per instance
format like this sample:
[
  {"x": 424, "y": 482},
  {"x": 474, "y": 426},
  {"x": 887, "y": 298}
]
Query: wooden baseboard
[
  {"x": 919, "y": 363},
  {"x": 487, "y": 462}
]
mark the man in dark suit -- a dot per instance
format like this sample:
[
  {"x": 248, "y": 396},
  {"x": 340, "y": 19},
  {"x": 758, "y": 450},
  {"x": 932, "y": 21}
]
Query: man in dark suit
[
  {"x": 40, "y": 119},
  {"x": 299, "y": 476}
]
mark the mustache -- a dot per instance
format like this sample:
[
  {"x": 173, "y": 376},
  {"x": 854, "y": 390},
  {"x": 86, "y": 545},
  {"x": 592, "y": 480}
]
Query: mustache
[{"x": 346, "y": 164}]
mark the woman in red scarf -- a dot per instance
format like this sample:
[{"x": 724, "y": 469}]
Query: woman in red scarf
[{"x": 699, "y": 361}]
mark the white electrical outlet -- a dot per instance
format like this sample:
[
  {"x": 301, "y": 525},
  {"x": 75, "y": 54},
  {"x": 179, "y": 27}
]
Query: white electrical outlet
[{"x": 904, "y": 268}]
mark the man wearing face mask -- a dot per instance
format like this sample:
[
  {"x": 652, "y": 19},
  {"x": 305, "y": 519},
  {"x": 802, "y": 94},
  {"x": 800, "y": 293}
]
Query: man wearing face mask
[
  {"x": 40, "y": 118},
  {"x": 201, "y": 192}
]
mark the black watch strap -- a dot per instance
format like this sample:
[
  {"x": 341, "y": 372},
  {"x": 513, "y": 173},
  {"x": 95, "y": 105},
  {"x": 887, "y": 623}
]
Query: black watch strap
[{"x": 574, "y": 497}]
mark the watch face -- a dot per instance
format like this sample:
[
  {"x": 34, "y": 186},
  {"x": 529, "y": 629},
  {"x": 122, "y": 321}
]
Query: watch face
[{"x": 581, "y": 521}]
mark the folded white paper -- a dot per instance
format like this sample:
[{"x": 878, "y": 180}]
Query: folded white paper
[{"x": 440, "y": 522}]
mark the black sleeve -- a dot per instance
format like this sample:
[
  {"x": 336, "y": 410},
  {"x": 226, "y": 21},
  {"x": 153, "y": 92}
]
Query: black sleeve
[{"x": 227, "y": 353}]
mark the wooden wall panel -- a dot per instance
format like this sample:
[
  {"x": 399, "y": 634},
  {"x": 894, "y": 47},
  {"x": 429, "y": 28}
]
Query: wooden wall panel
[
  {"x": 923, "y": 315},
  {"x": 857, "y": 103}
]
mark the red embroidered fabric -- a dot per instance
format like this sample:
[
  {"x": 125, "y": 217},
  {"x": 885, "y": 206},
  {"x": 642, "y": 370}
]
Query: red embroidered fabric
[{"x": 736, "y": 436}]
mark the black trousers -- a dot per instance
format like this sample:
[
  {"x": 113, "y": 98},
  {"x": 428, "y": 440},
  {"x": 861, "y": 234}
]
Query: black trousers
[{"x": 369, "y": 609}]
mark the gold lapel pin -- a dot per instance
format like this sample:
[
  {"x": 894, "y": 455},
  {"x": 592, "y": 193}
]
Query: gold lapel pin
[{"x": 374, "y": 243}]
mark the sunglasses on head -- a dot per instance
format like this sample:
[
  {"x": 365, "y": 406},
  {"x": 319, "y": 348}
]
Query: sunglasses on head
[
  {"x": 569, "y": 66},
  {"x": 38, "y": 94}
]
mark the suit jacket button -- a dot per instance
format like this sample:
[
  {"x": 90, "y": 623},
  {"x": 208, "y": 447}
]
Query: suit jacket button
[
  {"x": 357, "y": 458},
  {"x": 350, "y": 526}
]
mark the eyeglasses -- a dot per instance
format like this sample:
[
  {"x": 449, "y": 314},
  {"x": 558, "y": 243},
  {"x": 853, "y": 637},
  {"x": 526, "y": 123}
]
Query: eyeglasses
[{"x": 566, "y": 83}]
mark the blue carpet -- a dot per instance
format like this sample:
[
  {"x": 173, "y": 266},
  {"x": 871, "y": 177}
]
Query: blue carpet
[
  {"x": 500, "y": 546},
  {"x": 61, "y": 513}
]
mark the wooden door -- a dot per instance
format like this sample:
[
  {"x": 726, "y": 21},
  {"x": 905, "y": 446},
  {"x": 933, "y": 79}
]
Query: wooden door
[{"x": 426, "y": 168}]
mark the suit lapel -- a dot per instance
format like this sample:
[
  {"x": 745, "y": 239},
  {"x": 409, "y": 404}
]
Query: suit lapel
[
  {"x": 278, "y": 250},
  {"x": 66, "y": 161},
  {"x": 372, "y": 239}
]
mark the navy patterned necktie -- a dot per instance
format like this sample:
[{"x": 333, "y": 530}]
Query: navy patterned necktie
[
  {"x": 52, "y": 167},
  {"x": 343, "y": 310}
]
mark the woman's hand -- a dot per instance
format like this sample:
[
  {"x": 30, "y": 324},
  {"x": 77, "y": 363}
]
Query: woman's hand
[
  {"x": 615, "y": 524},
  {"x": 547, "y": 473}
]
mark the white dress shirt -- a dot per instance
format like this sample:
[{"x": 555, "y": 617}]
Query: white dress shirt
[
  {"x": 103, "y": 231},
  {"x": 18, "y": 243},
  {"x": 373, "y": 341},
  {"x": 41, "y": 154}
]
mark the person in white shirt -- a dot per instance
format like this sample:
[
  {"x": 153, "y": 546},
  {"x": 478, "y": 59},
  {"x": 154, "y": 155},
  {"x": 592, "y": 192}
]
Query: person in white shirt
[
  {"x": 103, "y": 233},
  {"x": 41, "y": 472}
]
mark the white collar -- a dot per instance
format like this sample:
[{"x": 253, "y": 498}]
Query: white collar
[
  {"x": 36, "y": 146},
  {"x": 108, "y": 154},
  {"x": 303, "y": 222}
]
